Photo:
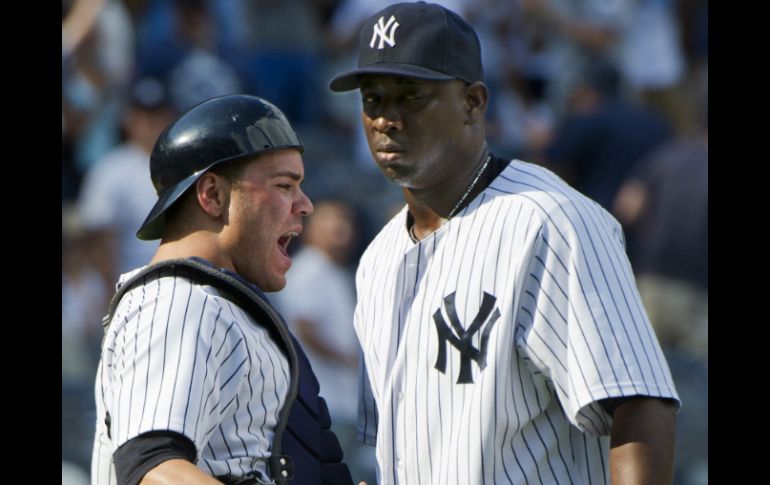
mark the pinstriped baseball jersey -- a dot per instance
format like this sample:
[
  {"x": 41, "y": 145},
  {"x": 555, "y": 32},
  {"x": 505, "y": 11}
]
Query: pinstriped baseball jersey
[
  {"x": 180, "y": 357},
  {"x": 488, "y": 344}
]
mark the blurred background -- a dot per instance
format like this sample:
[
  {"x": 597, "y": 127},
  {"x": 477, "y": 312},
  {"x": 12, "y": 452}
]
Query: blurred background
[{"x": 612, "y": 95}]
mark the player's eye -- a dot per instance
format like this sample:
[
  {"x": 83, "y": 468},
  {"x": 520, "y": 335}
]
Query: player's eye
[{"x": 370, "y": 98}]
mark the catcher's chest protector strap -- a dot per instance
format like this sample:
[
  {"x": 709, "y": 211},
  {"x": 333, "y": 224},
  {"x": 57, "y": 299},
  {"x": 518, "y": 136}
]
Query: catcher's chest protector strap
[{"x": 280, "y": 467}]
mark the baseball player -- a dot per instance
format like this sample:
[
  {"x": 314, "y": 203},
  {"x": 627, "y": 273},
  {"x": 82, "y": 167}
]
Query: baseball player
[
  {"x": 199, "y": 380},
  {"x": 503, "y": 337}
]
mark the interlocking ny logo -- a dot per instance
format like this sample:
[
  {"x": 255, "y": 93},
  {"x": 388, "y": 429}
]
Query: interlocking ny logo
[
  {"x": 381, "y": 29},
  {"x": 462, "y": 341}
]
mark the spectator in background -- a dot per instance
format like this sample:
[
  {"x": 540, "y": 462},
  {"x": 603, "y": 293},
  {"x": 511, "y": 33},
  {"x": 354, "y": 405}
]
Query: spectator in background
[
  {"x": 201, "y": 73},
  {"x": 603, "y": 137},
  {"x": 318, "y": 303},
  {"x": 520, "y": 119},
  {"x": 178, "y": 41},
  {"x": 167, "y": 31},
  {"x": 117, "y": 192},
  {"x": 198, "y": 77},
  {"x": 643, "y": 36},
  {"x": 666, "y": 202},
  {"x": 572, "y": 33},
  {"x": 84, "y": 297},
  {"x": 653, "y": 63},
  {"x": 275, "y": 47},
  {"x": 97, "y": 60}
]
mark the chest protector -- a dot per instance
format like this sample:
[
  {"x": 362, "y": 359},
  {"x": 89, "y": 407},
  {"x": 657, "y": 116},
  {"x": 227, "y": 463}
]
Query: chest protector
[{"x": 304, "y": 450}]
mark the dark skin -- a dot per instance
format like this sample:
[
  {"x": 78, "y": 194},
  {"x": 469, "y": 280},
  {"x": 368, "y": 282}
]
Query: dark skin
[
  {"x": 403, "y": 119},
  {"x": 642, "y": 442},
  {"x": 429, "y": 137}
]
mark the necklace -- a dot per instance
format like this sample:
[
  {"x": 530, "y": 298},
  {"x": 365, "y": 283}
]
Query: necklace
[
  {"x": 460, "y": 202},
  {"x": 470, "y": 187}
]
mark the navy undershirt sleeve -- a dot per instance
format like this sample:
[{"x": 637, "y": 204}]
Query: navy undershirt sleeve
[{"x": 139, "y": 455}]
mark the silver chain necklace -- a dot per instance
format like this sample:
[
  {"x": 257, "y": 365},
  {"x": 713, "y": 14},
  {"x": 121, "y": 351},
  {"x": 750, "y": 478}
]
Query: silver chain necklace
[
  {"x": 470, "y": 187},
  {"x": 414, "y": 237}
]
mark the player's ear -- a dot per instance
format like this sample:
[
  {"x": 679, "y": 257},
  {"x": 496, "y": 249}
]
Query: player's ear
[
  {"x": 213, "y": 193},
  {"x": 476, "y": 99}
]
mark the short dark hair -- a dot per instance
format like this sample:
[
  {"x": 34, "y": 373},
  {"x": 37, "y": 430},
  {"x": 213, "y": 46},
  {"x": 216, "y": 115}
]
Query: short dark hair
[{"x": 233, "y": 170}]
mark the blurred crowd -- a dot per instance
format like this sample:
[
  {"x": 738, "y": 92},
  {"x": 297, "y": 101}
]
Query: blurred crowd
[{"x": 610, "y": 95}]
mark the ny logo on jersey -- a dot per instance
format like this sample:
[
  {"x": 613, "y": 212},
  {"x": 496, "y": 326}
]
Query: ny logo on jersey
[
  {"x": 462, "y": 341},
  {"x": 381, "y": 30}
]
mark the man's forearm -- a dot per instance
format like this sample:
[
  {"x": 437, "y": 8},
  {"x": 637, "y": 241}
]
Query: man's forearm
[
  {"x": 177, "y": 471},
  {"x": 642, "y": 442}
]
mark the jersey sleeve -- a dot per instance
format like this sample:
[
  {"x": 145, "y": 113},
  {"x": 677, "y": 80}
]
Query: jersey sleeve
[
  {"x": 581, "y": 321},
  {"x": 177, "y": 362},
  {"x": 366, "y": 428}
]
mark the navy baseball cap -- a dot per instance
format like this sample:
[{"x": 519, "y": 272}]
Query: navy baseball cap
[{"x": 420, "y": 40}]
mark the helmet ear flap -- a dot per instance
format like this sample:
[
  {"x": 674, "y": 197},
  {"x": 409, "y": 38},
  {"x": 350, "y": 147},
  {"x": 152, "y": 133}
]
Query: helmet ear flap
[{"x": 219, "y": 130}]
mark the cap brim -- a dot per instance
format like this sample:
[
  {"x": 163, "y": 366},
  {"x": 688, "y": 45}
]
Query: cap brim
[
  {"x": 152, "y": 228},
  {"x": 351, "y": 80}
]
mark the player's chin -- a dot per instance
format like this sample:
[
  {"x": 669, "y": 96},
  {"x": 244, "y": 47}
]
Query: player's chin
[
  {"x": 399, "y": 174},
  {"x": 276, "y": 282},
  {"x": 277, "y": 272}
]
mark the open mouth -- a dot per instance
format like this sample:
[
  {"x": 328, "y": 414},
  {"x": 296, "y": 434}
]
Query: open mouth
[{"x": 283, "y": 242}]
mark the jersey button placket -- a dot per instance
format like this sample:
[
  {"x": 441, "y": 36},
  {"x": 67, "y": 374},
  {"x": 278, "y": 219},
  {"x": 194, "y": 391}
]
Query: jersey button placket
[{"x": 411, "y": 276}]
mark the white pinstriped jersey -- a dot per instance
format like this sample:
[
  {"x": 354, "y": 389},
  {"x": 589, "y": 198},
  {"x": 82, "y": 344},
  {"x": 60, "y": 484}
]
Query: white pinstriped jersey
[
  {"x": 488, "y": 344},
  {"x": 180, "y": 357}
]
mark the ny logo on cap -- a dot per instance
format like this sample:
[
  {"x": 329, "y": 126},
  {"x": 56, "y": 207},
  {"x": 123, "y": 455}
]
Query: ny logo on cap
[
  {"x": 381, "y": 30},
  {"x": 463, "y": 340}
]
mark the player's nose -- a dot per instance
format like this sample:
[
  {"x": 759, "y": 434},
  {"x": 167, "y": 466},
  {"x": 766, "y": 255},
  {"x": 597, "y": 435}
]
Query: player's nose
[
  {"x": 303, "y": 205},
  {"x": 384, "y": 124},
  {"x": 387, "y": 118}
]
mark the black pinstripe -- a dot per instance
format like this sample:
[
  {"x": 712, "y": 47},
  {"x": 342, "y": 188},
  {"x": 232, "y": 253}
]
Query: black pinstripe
[
  {"x": 199, "y": 418},
  {"x": 194, "y": 367},
  {"x": 179, "y": 359},
  {"x": 149, "y": 349},
  {"x": 616, "y": 264},
  {"x": 171, "y": 350},
  {"x": 563, "y": 285},
  {"x": 165, "y": 340}
]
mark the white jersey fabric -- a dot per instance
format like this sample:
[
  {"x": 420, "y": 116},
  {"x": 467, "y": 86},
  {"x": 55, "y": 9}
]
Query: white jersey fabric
[
  {"x": 180, "y": 357},
  {"x": 488, "y": 344}
]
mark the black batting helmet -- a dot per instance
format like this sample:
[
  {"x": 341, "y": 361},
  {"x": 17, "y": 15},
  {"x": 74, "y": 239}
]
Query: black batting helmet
[{"x": 219, "y": 130}]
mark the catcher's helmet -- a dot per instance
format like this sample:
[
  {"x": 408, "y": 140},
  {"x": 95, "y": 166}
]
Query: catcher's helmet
[{"x": 219, "y": 130}]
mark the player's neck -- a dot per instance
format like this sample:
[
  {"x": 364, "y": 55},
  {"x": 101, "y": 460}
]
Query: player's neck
[
  {"x": 199, "y": 243},
  {"x": 423, "y": 220},
  {"x": 448, "y": 196}
]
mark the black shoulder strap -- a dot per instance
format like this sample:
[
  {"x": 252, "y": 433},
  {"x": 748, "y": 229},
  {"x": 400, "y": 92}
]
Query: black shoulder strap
[{"x": 280, "y": 467}]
